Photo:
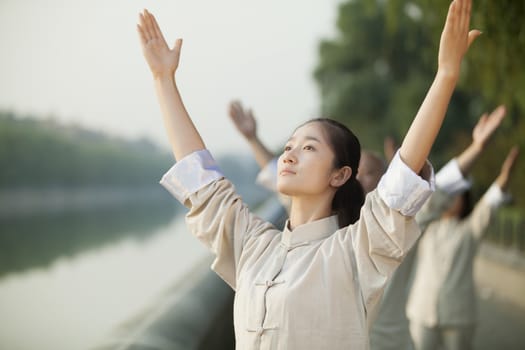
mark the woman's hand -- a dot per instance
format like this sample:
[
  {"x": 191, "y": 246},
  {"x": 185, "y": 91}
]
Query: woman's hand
[
  {"x": 455, "y": 38},
  {"x": 161, "y": 59},
  {"x": 486, "y": 126},
  {"x": 243, "y": 120},
  {"x": 506, "y": 168},
  {"x": 481, "y": 134}
]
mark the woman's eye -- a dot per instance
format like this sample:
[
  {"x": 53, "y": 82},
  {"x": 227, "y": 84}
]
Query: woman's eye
[
  {"x": 308, "y": 148},
  {"x": 287, "y": 148}
]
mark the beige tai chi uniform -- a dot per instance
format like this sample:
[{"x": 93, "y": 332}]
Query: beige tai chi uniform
[
  {"x": 442, "y": 299},
  {"x": 315, "y": 287}
]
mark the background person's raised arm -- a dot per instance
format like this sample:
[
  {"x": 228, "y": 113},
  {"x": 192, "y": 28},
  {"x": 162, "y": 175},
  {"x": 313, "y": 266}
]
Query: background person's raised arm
[
  {"x": 245, "y": 122},
  {"x": 481, "y": 134}
]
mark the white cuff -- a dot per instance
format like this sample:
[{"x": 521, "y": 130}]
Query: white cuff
[
  {"x": 495, "y": 196},
  {"x": 450, "y": 179},
  {"x": 404, "y": 190},
  {"x": 190, "y": 174},
  {"x": 267, "y": 177}
]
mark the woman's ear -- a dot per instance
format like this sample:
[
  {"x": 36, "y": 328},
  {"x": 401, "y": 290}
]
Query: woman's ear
[{"x": 341, "y": 176}]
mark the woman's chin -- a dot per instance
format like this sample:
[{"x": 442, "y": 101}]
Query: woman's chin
[{"x": 285, "y": 190}]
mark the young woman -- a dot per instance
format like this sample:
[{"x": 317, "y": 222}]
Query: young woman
[{"x": 316, "y": 284}]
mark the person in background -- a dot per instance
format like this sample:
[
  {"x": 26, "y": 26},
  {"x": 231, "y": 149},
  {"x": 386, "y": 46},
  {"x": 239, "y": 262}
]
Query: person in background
[
  {"x": 390, "y": 331},
  {"x": 314, "y": 284},
  {"x": 246, "y": 124},
  {"x": 441, "y": 305}
]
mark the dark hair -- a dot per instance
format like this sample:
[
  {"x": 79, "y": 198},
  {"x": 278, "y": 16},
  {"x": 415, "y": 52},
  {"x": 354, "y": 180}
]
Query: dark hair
[
  {"x": 350, "y": 197},
  {"x": 466, "y": 204}
]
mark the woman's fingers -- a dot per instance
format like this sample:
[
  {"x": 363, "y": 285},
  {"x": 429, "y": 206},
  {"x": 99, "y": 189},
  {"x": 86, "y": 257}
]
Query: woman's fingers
[
  {"x": 142, "y": 28},
  {"x": 178, "y": 45},
  {"x": 250, "y": 114},
  {"x": 155, "y": 28},
  {"x": 452, "y": 15},
  {"x": 141, "y": 35},
  {"x": 145, "y": 26},
  {"x": 149, "y": 26},
  {"x": 513, "y": 154},
  {"x": 458, "y": 18},
  {"x": 467, "y": 7},
  {"x": 498, "y": 114},
  {"x": 509, "y": 162},
  {"x": 150, "y": 21},
  {"x": 472, "y": 35},
  {"x": 149, "y": 29}
]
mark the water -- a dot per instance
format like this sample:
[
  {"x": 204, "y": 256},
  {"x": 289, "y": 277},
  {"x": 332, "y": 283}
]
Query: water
[{"x": 68, "y": 279}]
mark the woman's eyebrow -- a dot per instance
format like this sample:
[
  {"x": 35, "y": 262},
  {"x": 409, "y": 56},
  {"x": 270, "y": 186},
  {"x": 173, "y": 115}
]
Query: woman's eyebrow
[{"x": 312, "y": 138}]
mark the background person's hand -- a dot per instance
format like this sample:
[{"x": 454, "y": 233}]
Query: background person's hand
[{"x": 243, "y": 120}]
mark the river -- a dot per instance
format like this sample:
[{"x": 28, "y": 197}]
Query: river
[{"x": 68, "y": 278}]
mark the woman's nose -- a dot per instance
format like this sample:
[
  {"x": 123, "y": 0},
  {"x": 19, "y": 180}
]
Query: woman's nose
[{"x": 289, "y": 157}]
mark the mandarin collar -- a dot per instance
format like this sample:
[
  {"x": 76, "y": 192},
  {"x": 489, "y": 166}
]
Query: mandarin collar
[{"x": 310, "y": 231}]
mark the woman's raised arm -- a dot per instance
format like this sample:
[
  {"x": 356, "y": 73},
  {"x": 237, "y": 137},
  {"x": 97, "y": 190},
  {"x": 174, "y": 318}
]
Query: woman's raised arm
[
  {"x": 163, "y": 62},
  {"x": 506, "y": 168},
  {"x": 481, "y": 134},
  {"x": 455, "y": 40}
]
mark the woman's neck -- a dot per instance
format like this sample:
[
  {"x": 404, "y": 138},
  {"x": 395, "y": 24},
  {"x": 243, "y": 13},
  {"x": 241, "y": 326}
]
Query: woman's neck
[
  {"x": 449, "y": 215},
  {"x": 307, "y": 209}
]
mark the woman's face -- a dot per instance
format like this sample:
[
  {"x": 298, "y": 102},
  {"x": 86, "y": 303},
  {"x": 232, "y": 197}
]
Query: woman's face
[{"x": 306, "y": 165}]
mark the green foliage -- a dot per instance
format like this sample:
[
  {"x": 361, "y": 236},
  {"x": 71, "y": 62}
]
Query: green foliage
[
  {"x": 494, "y": 64},
  {"x": 37, "y": 153},
  {"x": 374, "y": 74}
]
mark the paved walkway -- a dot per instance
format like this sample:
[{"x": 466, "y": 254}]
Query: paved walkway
[
  {"x": 500, "y": 275},
  {"x": 501, "y": 325}
]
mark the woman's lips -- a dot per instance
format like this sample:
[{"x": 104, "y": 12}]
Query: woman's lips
[{"x": 285, "y": 172}]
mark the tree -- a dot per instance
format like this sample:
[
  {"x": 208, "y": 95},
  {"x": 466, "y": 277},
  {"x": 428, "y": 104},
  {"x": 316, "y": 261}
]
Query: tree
[{"x": 373, "y": 75}]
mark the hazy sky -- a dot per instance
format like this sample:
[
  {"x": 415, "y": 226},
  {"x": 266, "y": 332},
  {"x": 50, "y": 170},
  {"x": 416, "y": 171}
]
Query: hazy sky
[{"x": 81, "y": 62}]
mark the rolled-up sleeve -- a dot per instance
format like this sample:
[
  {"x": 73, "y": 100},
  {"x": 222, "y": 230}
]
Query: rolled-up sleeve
[
  {"x": 190, "y": 174},
  {"x": 217, "y": 215},
  {"x": 267, "y": 177},
  {"x": 404, "y": 190},
  {"x": 450, "y": 179},
  {"x": 483, "y": 213},
  {"x": 449, "y": 182},
  {"x": 495, "y": 197}
]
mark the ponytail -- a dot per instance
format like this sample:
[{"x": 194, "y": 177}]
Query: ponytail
[{"x": 348, "y": 201}]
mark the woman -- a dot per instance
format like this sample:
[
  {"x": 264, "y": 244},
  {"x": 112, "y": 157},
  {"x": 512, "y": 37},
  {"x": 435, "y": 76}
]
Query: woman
[
  {"x": 316, "y": 284},
  {"x": 442, "y": 302}
]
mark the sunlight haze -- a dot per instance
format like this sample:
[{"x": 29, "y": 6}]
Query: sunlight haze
[{"x": 80, "y": 62}]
